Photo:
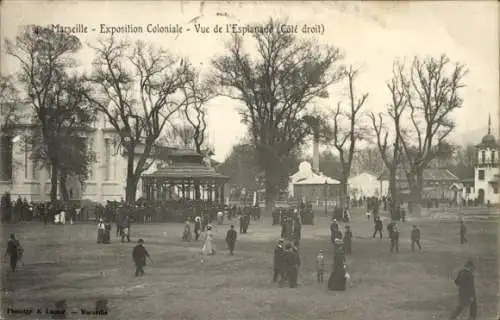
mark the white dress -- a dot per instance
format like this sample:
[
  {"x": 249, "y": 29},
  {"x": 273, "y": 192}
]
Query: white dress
[
  {"x": 208, "y": 246},
  {"x": 63, "y": 217}
]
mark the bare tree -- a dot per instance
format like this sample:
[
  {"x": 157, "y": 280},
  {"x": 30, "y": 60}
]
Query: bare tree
[
  {"x": 56, "y": 96},
  {"x": 197, "y": 93},
  {"x": 432, "y": 90},
  {"x": 276, "y": 87},
  {"x": 390, "y": 150},
  {"x": 137, "y": 89},
  {"x": 347, "y": 130}
]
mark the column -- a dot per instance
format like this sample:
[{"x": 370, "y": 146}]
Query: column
[
  {"x": 222, "y": 194},
  {"x": 217, "y": 197}
]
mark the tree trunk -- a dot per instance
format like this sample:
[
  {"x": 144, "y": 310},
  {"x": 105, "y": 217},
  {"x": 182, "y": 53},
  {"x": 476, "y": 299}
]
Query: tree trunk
[
  {"x": 64, "y": 190},
  {"x": 394, "y": 193},
  {"x": 416, "y": 189},
  {"x": 343, "y": 194},
  {"x": 131, "y": 187},
  {"x": 53, "y": 179},
  {"x": 271, "y": 193}
]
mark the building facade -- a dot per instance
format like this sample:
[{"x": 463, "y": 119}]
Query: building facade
[
  {"x": 437, "y": 183},
  {"x": 21, "y": 176},
  {"x": 486, "y": 171}
]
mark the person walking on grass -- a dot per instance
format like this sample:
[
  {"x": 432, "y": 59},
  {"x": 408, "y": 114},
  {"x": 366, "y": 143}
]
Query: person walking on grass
[
  {"x": 278, "y": 266},
  {"x": 15, "y": 251},
  {"x": 463, "y": 232},
  {"x": 466, "y": 292},
  {"x": 231, "y": 239},
  {"x": 378, "y": 226},
  {"x": 139, "y": 255},
  {"x": 394, "y": 235},
  {"x": 415, "y": 238}
]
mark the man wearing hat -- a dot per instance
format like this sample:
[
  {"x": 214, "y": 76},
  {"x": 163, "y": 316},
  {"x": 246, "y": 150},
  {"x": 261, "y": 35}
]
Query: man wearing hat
[
  {"x": 278, "y": 266},
  {"x": 292, "y": 263},
  {"x": 139, "y": 254},
  {"x": 415, "y": 238},
  {"x": 334, "y": 230},
  {"x": 231, "y": 239},
  {"x": 466, "y": 292}
]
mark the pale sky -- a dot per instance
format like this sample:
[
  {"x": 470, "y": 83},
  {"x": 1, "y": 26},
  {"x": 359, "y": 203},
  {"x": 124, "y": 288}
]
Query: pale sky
[{"x": 371, "y": 34}]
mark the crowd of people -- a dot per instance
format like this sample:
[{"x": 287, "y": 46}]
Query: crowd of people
[{"x": 199, "y": 217}]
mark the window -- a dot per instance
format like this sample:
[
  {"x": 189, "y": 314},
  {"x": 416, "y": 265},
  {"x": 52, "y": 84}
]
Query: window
[
  {"x": 5, "y": 158},
  {"x": 27, "y": 166},
  {"x": 483, "y": 156},
  {"x": 467, "y": 190},
  {"x": 90, "y": 144},
  {"x": 480, "y": 174},
  {"x": 107, "y": 159},
  {"x": 495, "y": 189},
  {"x": 34, "y": 170},
  {"x": 493, "y": 156}
]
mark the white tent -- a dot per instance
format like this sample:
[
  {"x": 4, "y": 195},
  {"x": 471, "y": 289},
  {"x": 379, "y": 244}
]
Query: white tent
[
  {"x": 364, "y": 184},
  {"x": 306, "y": 175}
]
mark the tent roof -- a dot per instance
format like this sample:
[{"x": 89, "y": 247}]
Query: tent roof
[
  {"x": 186, "y": 171},
  {"x": 317, "y": 179}
]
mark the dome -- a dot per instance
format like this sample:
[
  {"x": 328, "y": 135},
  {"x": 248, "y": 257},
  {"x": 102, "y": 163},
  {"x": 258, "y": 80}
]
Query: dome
[
  {"x": 305, "y": 166},
  {"x": 487, "y": 139}
]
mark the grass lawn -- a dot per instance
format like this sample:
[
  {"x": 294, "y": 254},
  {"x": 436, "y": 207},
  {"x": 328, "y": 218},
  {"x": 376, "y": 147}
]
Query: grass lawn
[{"x": 64, "y": 262}]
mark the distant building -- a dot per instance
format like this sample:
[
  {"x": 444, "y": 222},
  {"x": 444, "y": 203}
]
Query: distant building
[
  {"x": 308, "y": 185},
  {"x": 464, "y": 191},
  {"x": 486, "y": 171},
  {"x": 437, "y": 184},
  {"x": 364, "y": 185}
]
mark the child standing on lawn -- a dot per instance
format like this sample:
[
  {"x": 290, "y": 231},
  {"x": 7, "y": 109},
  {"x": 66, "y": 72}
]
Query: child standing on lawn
[{"x": 320, "y": 266}]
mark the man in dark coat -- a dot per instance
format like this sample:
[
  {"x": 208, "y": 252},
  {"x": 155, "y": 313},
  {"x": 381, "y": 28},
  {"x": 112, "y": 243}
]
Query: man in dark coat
[
  {"x": 394, "y": 236},
  {"x": 278, "y": 265},
  {"x": 246, "y": 222},
  {"x": 292, "y": 263},
  {"x": 14, "y": 250},
  {"x": 463, "y": 232},
  {"x": 335, "y": 233},
  {"x": 231, "y": 239},
  {"x": 402, "y": 213},
  {"x": 466, "y": 292},
  {"x": 378, "y": 226},
  {"x": 139, "y": 254},
  {"x": 415, "y": 238}
]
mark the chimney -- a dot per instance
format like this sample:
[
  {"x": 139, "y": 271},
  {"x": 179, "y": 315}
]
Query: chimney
[{"x": 315, "y": 164}]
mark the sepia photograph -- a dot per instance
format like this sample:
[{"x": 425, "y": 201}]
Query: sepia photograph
[{"x": 262, "y": 160}]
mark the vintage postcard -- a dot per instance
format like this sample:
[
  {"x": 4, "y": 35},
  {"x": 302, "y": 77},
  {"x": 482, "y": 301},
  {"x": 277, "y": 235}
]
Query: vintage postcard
[{"x": 249, "y": 160}]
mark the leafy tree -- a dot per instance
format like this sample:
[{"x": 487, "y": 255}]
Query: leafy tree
[
  {"x": 55, "y": 93},
  {"x": 276, "y": 87}
]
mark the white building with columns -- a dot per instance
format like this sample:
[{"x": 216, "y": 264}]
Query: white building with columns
[{"x": 20, "y": 176}]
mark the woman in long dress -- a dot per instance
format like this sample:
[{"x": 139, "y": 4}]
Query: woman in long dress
[
  {"x": 339, "y": 276},
  {"x": 208, "y": 246}
]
